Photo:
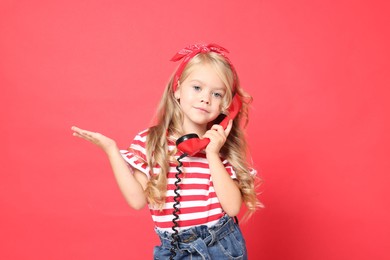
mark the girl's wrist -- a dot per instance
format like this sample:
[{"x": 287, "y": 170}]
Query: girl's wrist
[
  {"x": 112, "y": 150},
  {"x": 212, "y": 155}
]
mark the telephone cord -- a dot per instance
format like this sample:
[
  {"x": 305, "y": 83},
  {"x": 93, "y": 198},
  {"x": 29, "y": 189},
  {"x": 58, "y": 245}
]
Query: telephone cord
[{"x": 176, "y": 209}]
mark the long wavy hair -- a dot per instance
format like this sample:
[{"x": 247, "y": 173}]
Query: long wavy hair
[{"x": 168, "y": 123}]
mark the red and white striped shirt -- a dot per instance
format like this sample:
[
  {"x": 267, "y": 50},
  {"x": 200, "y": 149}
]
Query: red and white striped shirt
[{"x": 199, "y": 204}]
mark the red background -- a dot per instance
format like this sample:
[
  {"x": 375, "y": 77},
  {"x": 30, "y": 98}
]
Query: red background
[{"x": 319, "y": 130}]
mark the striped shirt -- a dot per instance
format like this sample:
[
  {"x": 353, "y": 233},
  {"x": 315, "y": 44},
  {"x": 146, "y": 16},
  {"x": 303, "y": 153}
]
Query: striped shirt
[{"x": 199, "y": 204}]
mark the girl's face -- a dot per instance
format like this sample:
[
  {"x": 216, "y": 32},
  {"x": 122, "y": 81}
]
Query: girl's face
[{"x": 201, "y": 95}]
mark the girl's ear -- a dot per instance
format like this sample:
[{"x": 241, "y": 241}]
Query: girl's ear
[
  {"x": 177, "y": 94},
  {"x": 177, "y": 91}
]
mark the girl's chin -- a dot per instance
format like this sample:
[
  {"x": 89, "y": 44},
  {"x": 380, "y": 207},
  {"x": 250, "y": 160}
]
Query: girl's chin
[{"x": 199, "y": 122}]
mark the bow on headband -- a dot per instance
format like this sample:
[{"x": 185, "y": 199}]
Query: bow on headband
[{"x": 189, "y": 52}]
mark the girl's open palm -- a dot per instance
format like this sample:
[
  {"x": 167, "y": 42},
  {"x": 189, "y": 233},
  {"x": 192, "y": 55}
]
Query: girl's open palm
[{"x": 98, "y": 139}]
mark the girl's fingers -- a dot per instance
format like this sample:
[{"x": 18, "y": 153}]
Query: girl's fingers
[
  {"x": 82, "y": 132},
  {"x": 229, "y": 127},
  {"x": 78, "y": 131},
  {"x": 216, "y": 134},
  {"x": 98, "y": 139},
  {"x": 85, "y": 134},
  {"x": 221, "y": 130}
]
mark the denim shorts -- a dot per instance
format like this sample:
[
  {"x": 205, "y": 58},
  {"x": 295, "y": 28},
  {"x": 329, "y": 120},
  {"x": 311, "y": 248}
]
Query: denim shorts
[{"x": 224, "y": 240}]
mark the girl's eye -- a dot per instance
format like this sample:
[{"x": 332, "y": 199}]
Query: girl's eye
[
  {"x": 197, "y": 88},
  {"x": 217, "y": 95}
]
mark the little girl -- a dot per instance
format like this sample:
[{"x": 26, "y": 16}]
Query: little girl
[{"x": 192, "y": 197}]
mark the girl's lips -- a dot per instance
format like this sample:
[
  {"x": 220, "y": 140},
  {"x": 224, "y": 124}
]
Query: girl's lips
[{"x": 201, "y": 109}]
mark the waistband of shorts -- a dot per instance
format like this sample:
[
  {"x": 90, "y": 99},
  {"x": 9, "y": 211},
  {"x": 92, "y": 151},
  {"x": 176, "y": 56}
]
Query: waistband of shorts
[{"x": 223, "y": 227}]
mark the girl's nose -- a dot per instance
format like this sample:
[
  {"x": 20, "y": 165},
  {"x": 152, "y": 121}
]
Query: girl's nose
[{"x": 205, "y": 100}]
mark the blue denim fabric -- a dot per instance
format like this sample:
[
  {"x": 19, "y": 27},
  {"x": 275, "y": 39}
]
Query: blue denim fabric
[{"x": 224, "y": 240}]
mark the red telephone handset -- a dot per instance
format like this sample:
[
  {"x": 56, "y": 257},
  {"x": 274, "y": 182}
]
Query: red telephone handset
[{"x": 191, "y": 144}]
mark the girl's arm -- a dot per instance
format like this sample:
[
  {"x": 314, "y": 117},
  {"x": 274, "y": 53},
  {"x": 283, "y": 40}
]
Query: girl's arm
[
  {"x": 226, "y": 188},
  {"x": 132, "y": 183}
]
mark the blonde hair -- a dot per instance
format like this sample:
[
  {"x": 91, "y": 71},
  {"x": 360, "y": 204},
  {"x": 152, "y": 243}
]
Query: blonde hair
[{"x": 169, "y": 123}]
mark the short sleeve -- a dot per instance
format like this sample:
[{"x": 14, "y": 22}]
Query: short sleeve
[
  {"x": 253, "y": 172},
  {"x": 230, "y": 169},
  {"x": 135, "y": 156}
]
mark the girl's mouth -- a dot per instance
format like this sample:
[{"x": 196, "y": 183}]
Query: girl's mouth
[{"x": 201, "y": 109}]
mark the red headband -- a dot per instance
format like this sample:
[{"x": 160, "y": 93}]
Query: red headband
[{"x": 189, "y": 52}]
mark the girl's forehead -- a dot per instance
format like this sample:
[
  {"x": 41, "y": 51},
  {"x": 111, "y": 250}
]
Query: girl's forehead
[
  {"x": 203, "y": 70},
  {"x": 205, "y": 74}
]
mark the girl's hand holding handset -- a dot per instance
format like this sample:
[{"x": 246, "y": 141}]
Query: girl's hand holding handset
[{"x": 217, "y": 135}]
